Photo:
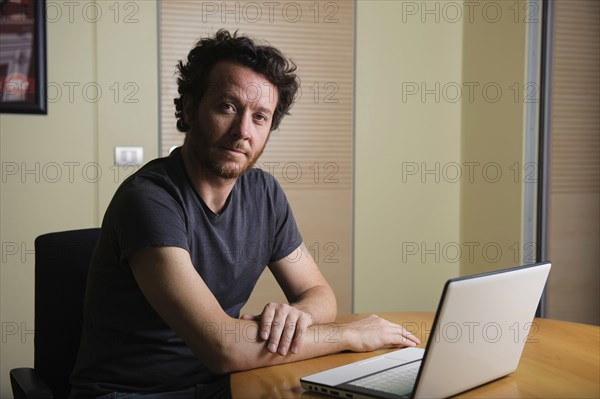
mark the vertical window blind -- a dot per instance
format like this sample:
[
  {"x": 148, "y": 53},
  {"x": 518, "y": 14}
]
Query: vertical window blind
[
  {"x": 575, "y": 125},
  {"x": 574, "y": 197}
]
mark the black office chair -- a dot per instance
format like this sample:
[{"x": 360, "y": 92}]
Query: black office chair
[{"x": 61, "y": 267}]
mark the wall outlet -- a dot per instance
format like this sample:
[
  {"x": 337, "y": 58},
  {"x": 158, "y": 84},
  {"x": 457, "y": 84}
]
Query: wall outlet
[{"x": 129, "y": 155}]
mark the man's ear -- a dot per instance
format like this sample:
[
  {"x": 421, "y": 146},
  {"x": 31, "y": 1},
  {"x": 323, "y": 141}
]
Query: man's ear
[{"x": 188, "y": 108}]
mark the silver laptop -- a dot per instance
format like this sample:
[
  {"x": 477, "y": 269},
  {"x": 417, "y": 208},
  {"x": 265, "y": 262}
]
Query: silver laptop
[{"x": 478, "y": 334}]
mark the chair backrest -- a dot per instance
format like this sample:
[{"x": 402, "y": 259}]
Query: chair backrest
[{"x": 61, "y": 267}]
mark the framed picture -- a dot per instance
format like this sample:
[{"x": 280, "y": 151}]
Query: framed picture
[{"x": 23, "y": 56}]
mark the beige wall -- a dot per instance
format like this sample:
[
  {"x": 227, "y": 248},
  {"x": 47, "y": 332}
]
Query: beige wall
[
  {"x": 493, "y": 139},
  {"x": 402, "y": 213},
  {"x": 66, "y": 149},
  {"x": 437, "y": 132}
]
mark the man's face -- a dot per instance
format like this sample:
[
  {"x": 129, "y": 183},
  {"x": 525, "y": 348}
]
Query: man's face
[{"x": 230, "y": 126}]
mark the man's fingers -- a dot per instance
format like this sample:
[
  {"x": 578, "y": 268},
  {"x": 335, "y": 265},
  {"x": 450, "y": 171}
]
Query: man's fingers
[
  {"x": 266, "y": 322},
  {"x": 283, "y": 326},
  {"x": 283, "y": 336},
  {"x": 411, "y": 339},
  {"x": 301, "y": 327},
  {"x": 275, "y": 335},
  {"x": 406, "y": 337},
  {"x": 289, "y": 329}
]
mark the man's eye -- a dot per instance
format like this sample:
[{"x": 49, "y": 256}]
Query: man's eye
[
  {"x": 260, "y": 117},
  {"x": 228, "y": 107}
]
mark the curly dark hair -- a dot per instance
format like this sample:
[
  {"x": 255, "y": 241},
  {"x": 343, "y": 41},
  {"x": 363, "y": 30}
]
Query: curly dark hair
[{"x": 193, "y": 75}]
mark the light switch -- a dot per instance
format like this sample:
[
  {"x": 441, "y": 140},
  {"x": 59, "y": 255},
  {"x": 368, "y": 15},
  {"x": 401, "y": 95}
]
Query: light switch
[{"x": 129, "y": 155}]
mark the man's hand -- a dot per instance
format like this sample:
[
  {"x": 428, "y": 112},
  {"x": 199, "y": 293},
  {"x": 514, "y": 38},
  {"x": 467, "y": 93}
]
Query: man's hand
[
  {"x": 282, "y": 327},
  {"x": 374, "y": 332}
]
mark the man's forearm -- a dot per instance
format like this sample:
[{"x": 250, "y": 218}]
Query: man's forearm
[
  {"x": 319, "y": 302},
  {"x": 243, "y": 349}
]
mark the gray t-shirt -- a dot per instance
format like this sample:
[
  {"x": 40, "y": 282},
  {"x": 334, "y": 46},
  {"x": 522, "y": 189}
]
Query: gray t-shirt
[{"x": 126, "y": 346}]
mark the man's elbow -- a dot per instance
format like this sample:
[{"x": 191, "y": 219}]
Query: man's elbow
[
  {"x": 222, "y": 355},
  {"x": 217, "y": 361},
  {"x": 331, "y": 313},
  {"x": 226, "y": 363},
  {"x": 220, "y": 367}
]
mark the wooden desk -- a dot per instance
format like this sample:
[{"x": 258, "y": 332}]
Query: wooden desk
[{"x": 560, "y": 360}]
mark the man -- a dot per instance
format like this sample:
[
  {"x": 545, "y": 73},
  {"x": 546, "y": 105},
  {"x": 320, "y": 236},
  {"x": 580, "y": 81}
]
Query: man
[{"x": 185, "y": 239}]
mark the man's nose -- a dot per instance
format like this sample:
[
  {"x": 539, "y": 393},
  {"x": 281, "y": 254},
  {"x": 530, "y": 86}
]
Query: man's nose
[{"x": 243, "y": 127}]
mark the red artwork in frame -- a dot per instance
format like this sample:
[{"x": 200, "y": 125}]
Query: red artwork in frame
[{"x": 23, "y": 56}]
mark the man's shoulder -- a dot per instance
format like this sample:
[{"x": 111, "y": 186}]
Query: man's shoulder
[
  {"x": 159, "y": 173},
  {"x": 258, "y": 179},
  {"x": 154, "y": 182},
  {"x": 258, "y": 174},
  {"x": 154, "y": 168}
]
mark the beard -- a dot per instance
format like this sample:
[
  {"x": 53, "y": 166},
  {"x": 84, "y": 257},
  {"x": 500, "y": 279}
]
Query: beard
[{"x": 228, "y": 168}]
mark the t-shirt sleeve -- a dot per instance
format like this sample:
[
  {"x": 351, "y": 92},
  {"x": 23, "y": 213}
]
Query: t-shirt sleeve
[
  {"x": 287, "y": 236},
  {"x": 145, "y": 215}
]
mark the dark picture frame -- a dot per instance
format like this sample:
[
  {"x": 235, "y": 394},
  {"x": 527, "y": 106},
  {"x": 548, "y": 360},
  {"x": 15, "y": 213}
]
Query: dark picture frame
[{"x": 23, "y": 57}]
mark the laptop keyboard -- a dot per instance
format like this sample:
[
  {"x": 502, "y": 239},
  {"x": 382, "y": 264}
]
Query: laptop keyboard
[{"x": 398, "y": 380}]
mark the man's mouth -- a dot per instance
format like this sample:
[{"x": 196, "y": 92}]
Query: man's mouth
[{"x": 235, "y": 151}]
